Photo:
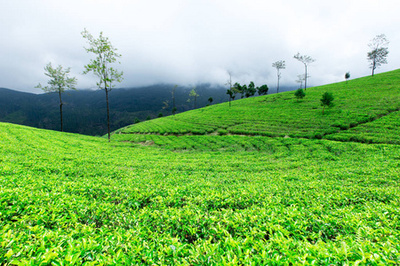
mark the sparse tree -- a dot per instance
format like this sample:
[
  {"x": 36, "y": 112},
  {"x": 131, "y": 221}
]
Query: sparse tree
[
  {"x": 193, "y": 97},
  {"x": 377, "y": 56},
  {"x": 306, "y": 60},
  {"x": 244, "y": 90},
  {"x": 262, "y": 90},
  {"x": 231, "y": 95},
  {"x": 106, "y": 54},
  {"x": 237, "y": 88},
  {"x": 210, "y": 100},
  {"x": 250, "y": 90},
  {"x": 347, "y": 76},
  {"x": 279, "y": 65},
  {"x": 59, "y": 82},
  {"x": 300, "y": 94},
  {"x": 165, "y": 105},
  {"x": 326, "y": 100},
  {"x": 230, "y": 90},
  {"x": 300, "y": 79},
  {"x": 173, "y": 100},
  {"x": 240, "y": 89}
]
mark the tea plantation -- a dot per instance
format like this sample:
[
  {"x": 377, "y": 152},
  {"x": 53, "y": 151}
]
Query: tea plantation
[
  {"x": 269, "y": 181},
  {"x": 356, "y": 102}
]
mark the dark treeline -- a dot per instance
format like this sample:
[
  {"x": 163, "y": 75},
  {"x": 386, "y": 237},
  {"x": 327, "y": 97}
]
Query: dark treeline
[{"x": 84, "y": 110}]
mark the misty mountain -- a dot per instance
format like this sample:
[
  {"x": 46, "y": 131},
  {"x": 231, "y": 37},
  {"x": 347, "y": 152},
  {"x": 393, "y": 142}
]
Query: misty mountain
[{"x": 84, "y": 111}]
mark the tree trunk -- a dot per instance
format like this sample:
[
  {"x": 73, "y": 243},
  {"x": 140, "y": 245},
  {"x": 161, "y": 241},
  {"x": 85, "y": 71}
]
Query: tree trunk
[
  {"x": 61, "y": 114},
  {"x": 108, "y": 115},
  {"x": 373, "y": 67},
  {"x": 277, "y": 88},
  {"x": 173, "y": 101},
  {"x": 305, "y": 78}
]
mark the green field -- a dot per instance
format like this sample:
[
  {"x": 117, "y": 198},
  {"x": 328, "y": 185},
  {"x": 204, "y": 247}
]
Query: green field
[
  {"x": 215, "y": 192},
  {"x": 356, "y": 102}
]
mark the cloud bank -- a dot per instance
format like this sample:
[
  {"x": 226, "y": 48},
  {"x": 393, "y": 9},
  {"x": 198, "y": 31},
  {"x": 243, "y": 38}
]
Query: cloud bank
[{"x": 192, "y": 41}]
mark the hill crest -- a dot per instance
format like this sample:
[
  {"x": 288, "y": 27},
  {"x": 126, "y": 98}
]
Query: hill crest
[{"x": 359, "y": 105}]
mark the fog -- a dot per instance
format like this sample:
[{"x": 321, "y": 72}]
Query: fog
[{"x": 189, "y": 42}]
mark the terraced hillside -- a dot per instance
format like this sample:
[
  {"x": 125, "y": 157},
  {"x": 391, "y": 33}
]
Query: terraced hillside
[
  {"x": 212, "y": 199},
  {"x": 72, "y": 199},
  {"x": 357, "y": 102}
]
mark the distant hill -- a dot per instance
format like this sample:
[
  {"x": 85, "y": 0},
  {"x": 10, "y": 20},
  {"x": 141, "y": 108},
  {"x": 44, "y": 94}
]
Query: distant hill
[{"x": 85, "y": 111}]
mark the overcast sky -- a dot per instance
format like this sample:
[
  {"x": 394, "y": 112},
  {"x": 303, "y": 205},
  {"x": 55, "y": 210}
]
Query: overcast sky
[{"x": 192, "y": 41}]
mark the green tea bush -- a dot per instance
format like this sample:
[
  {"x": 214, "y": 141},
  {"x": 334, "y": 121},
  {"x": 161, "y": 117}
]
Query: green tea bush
[{"x": 69, "y": 199}]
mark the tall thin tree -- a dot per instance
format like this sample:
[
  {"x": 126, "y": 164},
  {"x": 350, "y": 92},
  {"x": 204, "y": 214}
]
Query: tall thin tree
[
  {"x": 59, "y": 82},
  {"x": 379, "y": 52},
  {"x": 173, "y": 99},
  {"x": 230, "y": 90},
  {"x": 306, "y": 60},
  {"x": 100, "y": 66},
  {"x": 193, "y": 94},
  {"x": 279, "y": 65},
  {"x": 300, "y": 79}
]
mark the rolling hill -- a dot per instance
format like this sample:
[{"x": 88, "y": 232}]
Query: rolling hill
[
  {"x": 361, "y": 106},
  {"x": 267, "y": 181}
]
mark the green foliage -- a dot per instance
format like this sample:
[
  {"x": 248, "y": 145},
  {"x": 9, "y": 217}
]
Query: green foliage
[
  {"x": 347, "y": 75},
  {"x": 382, "y": 130},
  {"x": 327, "y": 100},
  {"x": 377, "y": 56},
  {"x": 84, "y": 110},
  {"x": 106, "y": 54},
  {"x": 210, "y": 187},
  {"x": 262, "y": 90},
  {"x": 174, "y": 109},
  {"x": 237, "y": 88},
  {"x": 59, "y": 82},
  {"x": 251, "y": 90},
  {"x": 247, "y": 91},
  {"x": 59, "y": 79},
  {"x": 231, "y": 94},
  {"x": 357, "y": 103},
  {"x": 300, "y": 94},
  {"x": 69, "y": 199},
  {"x": 193, "y": 97}
]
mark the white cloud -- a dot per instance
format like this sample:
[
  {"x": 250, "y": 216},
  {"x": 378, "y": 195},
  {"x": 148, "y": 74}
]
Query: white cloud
[{"x": 196, "y": 41}]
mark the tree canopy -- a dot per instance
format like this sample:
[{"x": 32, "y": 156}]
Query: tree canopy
[
  {"x": 379, "y": 52},
  {"x": 279, "y": 65},
  {"x": 106, "y": 54},
  {"x": 306, "y": 60},
  {"x": 59, "y": 82}
]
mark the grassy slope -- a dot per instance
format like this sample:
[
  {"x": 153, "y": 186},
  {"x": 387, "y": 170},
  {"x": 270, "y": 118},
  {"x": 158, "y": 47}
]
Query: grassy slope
[
  {"x": 357, "y": 102},
  {"x": 73, "y": 199}
]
